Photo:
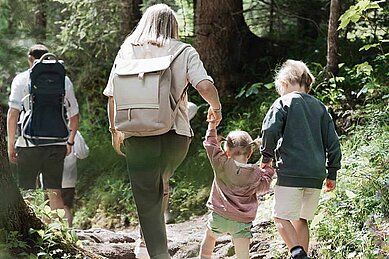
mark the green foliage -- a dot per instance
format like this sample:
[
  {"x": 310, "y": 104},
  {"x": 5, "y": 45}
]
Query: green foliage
[
  {"x": 103, "y": 189},
  {"x": 10, "y": 241},
  {"x": 56, "y": 240},
  {"x": 351, "y": 219},
  {"x": 188, "y": 199},
  {"x": 356, "y": 12}
]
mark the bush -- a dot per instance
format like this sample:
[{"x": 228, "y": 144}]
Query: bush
[{"x": 350, "y": 220}]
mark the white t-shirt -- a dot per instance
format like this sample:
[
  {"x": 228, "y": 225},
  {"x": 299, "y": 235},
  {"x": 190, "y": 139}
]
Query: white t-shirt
[
  {"x": 19, "y": 90},
  {"x": 80, "y": 150}
]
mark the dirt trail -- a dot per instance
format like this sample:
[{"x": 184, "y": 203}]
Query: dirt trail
[{"x": 184, "y": 239}]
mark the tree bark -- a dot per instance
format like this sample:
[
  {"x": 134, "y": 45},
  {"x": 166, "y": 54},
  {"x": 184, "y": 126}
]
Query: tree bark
[
  {"x": 228, "y": 48},
  {"x": 15, "y": 215},
  {"x": 333, "y": 40},
  {"x": 220, "y": 30},
  {"x": 40, "y": 20},
  {"x": 130, "y": 16}
]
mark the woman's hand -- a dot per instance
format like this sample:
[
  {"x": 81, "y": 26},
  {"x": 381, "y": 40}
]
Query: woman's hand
[
  {"x": 117, "y": 140},
  {"x": 214, "y": 116}
]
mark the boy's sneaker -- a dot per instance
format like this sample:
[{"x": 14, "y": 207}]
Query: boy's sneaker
[
  {"x": 140, "y": 250},
  {"x": 298, "y": 253}
]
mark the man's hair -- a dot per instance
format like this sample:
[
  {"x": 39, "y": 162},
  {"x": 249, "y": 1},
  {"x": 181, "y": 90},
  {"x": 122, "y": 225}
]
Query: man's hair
[
  {"x": 294, "y": 72},
  {"x": 38, "y": 50},
  {"x": 157, "y": 26},
  {"x": 239, "y": 142}
]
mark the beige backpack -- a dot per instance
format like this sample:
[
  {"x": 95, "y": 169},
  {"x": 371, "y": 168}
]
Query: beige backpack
[{"x": 142, "y": 95}]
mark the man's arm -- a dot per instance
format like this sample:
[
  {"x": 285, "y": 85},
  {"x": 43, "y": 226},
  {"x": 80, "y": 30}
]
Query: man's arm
[
  {"x": 73, "y": 126},
  {"x": 12, "y": 123}
]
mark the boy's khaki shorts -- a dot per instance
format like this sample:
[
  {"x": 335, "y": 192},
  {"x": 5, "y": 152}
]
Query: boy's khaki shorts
[{"x": 293, "y": 203}]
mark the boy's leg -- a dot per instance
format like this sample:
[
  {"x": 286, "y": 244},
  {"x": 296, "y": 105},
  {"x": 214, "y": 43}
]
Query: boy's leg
[
  {"x": 287, "y": 232},
  {"x": 207, "y": 245},
  {"x": 242, "y": 247},
  {"x": 310, "y": 202},
  {"x": 287, "y": 208},
  {"x": 302, "y": 230}
]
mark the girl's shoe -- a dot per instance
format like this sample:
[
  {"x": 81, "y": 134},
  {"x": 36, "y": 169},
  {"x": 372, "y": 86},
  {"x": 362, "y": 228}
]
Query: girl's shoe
[{"x": 140, "y": 250}]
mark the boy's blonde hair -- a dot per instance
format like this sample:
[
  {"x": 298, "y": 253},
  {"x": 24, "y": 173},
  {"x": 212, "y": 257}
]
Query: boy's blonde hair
[
  {"x": 239, "y": 142},
  {"x": 294, "y": 72},
  {"x": 157, "y": 26}
]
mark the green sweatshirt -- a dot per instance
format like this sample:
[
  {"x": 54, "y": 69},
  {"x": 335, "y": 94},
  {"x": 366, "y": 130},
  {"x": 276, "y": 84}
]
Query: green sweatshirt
[{"x": 299, "y": 133}]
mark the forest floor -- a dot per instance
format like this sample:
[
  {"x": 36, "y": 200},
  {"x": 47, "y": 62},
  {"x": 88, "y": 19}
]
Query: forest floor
[{"x": 184, "y": 239}]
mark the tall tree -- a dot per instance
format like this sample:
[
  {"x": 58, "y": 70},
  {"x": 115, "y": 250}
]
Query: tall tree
[
  {"x": 333, "y": 39},
  {"x": 227, "y": 46},
  {"x": 130, "y": 15},
  {"x": 14, "y": 213},
  {"x": 40, "y": 20}
]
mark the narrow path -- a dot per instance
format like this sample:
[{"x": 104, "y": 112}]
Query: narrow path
[{"x": 184, "y": 239}]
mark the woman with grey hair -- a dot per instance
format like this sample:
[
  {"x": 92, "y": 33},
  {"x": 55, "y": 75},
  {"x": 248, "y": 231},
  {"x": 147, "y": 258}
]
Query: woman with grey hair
[{"x": 150, "y": 159}]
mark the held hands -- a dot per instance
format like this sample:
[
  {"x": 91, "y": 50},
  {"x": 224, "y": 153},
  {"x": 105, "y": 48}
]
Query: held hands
[
  {"x": 214, "y": 117},
  {"x": 263, "y": 165},
  {"x": 330, "y": 185},
  {"x": 117, "y": 140}
]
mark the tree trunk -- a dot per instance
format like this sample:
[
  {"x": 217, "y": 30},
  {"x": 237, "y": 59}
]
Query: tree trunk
[
  {"x": 40, "y": 20},
  {"x": 130, "y": 16},
  {"x": 14, "y": 213},
  {"x": 333, "y": 40},
  {"x": 220, "y": 30},
  {"x": 229, "y": 50}
]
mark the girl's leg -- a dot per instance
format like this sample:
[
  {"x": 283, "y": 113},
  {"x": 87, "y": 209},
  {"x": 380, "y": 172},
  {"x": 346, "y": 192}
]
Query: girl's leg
[
  {"x": 242, "y": 247},
  {"x": 207, "y": 245}
]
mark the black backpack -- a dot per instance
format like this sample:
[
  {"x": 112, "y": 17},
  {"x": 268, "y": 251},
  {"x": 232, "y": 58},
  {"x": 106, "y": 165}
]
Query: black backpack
[{"x": 44, "y": 123}]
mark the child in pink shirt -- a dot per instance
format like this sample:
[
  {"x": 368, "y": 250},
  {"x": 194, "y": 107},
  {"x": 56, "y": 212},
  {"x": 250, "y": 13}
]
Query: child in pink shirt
[{"x": 233, "y": 200}]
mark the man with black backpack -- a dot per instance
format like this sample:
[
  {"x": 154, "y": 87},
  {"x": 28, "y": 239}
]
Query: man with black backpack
[{"x": 39, "y": 101}]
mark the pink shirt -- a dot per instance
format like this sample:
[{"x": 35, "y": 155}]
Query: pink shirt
[{"x": 235, "y": 186}]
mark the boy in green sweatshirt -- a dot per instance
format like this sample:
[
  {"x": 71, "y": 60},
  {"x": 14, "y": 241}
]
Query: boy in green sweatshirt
[{"x": 299, "y": 134}]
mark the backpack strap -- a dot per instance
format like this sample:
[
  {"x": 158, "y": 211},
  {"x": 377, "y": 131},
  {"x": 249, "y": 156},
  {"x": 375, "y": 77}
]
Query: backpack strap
[
  {"x": 179, "y": 51},
  {"x": 183, "y": 93}
]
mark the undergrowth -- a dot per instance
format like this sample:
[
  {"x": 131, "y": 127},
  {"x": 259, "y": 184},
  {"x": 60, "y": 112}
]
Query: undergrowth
[{"x": 353, "y": 221}]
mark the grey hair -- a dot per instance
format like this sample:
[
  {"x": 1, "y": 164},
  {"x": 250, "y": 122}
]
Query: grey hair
[
  {"x": 239, "y": 143},
  {"x": 157, "y": 26},
  {"x": 294, "y": 72}
]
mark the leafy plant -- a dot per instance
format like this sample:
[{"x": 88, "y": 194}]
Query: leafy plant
[{"x": 350, "y": 219}]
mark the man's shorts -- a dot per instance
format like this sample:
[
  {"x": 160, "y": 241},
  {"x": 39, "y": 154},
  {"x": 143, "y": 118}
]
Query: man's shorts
[
  {"x": 293, "y": 203},
  {"x": 47, "y": 160},
  {"x": 68, "y": 196},
  {"x": 220, "y": 225}
]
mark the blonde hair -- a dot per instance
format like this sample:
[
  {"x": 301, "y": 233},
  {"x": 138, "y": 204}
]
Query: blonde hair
[
  {"x": 157, "y": 26},
  {"x": 239, "y": 142},
  {"x": 294, "y": 72}
]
